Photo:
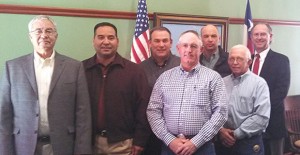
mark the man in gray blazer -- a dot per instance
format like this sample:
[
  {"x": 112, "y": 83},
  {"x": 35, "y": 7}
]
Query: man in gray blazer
[{"x": 44, "y": 101}]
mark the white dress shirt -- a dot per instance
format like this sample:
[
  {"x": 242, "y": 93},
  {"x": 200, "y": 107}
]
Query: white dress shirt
[
  {"x": 263, "y": 56},
  {"x": 43, "y": 73}
]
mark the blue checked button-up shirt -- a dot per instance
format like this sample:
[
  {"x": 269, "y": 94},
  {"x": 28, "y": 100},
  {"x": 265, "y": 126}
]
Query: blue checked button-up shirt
[{"x": 190, "y": 103}]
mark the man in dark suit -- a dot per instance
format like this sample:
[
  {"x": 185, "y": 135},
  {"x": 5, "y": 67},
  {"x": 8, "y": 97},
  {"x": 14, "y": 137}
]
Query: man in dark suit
[
  {"x": 213, "y": 56},
  {"x": 275, "y": 69},
  {"x": 44, "y": 101}
]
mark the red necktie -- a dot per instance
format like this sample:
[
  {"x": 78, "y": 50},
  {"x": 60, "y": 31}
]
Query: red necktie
[{"x": 256, "y": 64}]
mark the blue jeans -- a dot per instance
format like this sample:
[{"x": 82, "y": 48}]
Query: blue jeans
[
  {"x": 207, "y": 149},
  {"x": 246, "y": 146}
]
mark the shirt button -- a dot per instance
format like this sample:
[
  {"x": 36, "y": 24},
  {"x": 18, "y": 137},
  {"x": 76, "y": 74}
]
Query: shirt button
[
  {"x": 35, "y": 132},
  {"x": 37, "y": 115}
]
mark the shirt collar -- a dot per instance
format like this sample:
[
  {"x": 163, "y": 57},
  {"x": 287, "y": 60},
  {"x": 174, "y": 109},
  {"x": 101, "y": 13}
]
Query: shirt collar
[
  {"x": 39, "y": 60},
  {"x": 165, "y": 62},
  {"x": 216, "y": 54},
  {"x": 194, "y": 70},
  {"x": 117, "y": 61},
  {"x": 263, "y": 54},
  {"x": 241, "y": 77}
]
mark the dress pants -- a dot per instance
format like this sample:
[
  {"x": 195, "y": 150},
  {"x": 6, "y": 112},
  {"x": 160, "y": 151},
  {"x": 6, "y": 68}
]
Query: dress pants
[
  {"x": 102, "y": 147},
  {"x": 274, "y": 146},
  {"x": 207, "y": 149},
  {"x": 43, "y": 148},
  {"x": 153, "y": 146},
  {"x": 247, "y": 146}
]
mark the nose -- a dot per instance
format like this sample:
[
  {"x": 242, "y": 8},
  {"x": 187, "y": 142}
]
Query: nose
[
  {"x": 44, "y": 34},
  {"x": 188, "y": 49},
  {"x": 161, "y": 43},
  {"x": 105, "y": 41},
  {"x": 209, "y": 38},
  {"x": 235, "y": 61}
]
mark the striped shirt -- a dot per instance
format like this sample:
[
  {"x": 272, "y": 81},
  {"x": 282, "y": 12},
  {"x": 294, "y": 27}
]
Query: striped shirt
[
  {"x": 249, "y": 104},
  {"x": 189, "y": 103}
]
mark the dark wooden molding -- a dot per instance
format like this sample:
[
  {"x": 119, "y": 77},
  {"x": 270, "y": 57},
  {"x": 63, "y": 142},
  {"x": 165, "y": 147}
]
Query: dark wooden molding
[
  {"x": 55, "y": 11},
  {"x": 90, "y": 13},
  {"x": 271, "y": 22}
]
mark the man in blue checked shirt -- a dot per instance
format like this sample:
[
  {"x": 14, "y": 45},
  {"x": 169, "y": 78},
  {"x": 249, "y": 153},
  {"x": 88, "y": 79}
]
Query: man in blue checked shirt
[
  {"x": 188, "y": 103},
  {"x": 248, "y": 107}
]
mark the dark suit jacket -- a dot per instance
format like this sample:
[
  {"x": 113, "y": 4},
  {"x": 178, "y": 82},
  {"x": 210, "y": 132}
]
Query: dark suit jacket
[
  {"x": 276, "y": 71},
  {"x": 68, "y": 108},
  {"x": 221, "y": 66}
]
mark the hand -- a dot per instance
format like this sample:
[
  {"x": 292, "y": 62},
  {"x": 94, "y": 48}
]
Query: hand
[
  {"x": 176, "y": 143},
  {"x": 188, "y": 148},
  {"x": 227, "y": 137},
  {"x": 136, "y": 150}
]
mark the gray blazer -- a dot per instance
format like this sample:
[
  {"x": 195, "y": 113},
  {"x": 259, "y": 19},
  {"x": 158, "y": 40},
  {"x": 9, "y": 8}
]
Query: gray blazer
[{"x": 68, "y": 108}]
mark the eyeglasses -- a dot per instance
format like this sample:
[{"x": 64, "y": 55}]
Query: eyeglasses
[
  {"x": 262, "y": 35},
  {"x": 48, "y": 32},
  {"x": 238, "y": 60}
]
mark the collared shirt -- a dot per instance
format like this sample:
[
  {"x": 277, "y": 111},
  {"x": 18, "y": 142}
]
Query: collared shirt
[
  {"x": 153, "y": 71},
  {"x": 43, "y": 73},
  {"x": 263, "y": 56},
  {"x": 126, "y": 96},
  {"x": 211, "y": 62},
  {"x": 248, "y": 104},
  {"x": 190, "y": 103}
]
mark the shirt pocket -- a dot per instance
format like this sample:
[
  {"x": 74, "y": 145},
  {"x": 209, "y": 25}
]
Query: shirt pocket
[{"x": 245, "y": 105}]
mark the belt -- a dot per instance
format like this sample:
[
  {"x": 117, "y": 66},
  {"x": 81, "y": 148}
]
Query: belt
[
  {"x": 185, "y": 136},
  {"x": 102, "y": 133},
  {"x": 43, "y": 138}
]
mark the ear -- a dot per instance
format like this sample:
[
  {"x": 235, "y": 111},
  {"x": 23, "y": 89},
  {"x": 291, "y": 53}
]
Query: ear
[
  {"x": 271, "y": 37},
  {"x": 29, "y": 36},
  {"x": 177, "y": 49},
  {"x": 149, "y": 43},
  {"x": 249, "y": 62}
]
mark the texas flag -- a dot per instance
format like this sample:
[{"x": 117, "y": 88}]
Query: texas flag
[{"x": 247, "y": 28}]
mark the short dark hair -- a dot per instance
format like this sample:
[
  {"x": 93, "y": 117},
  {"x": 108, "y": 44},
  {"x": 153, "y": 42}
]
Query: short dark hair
[
  {"x": 159, "y": 28},
  {"x": 105, "y": 24}
]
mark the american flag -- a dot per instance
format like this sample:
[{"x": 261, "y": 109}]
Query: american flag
[
  {"x": 139, "y": 48},
  {"x": 247, "y": 28}
]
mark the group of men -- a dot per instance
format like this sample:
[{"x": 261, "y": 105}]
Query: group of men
[{"x": 205, "y": 102}]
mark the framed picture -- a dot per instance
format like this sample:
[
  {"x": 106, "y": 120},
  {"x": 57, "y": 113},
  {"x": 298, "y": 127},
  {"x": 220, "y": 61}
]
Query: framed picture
[{"x": 178, "y": 23}]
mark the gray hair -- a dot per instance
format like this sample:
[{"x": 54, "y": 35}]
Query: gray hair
[
  {"x": 247, "y": 51},
  {"x": 38, "y": 18},
  {"x": 193, "y": 32}
]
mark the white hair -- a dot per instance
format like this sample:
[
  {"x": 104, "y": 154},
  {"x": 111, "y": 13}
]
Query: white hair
[
  {"x": 40, "y": 17},
  {"x": 247, "y": 51}
]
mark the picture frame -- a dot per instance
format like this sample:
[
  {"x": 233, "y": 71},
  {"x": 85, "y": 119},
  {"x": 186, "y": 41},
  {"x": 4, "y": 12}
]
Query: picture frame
[{"x": 178, "y": 23}]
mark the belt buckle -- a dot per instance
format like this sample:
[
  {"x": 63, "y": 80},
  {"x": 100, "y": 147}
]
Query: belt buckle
[
  {"x": 181, "y": 136},
  {"x": 44, "y": 138},
  {"x": 103, "y": 133}
]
